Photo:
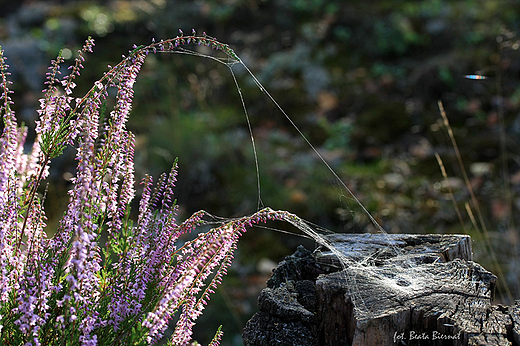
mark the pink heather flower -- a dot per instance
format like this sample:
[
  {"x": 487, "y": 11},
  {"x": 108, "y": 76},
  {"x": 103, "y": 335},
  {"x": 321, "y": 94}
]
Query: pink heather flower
[
  {"x": 216, "y": 339},
  {"x": 11, "y": 144},
  {"x": 144, "y": 205},
  {"x": 67, "y": 81},
  {"x": 157, "y": 320},
  {"x": 117, "y": 203},
  {"x": 69, "y": 283},
  {"x": 200, "y": 258}
]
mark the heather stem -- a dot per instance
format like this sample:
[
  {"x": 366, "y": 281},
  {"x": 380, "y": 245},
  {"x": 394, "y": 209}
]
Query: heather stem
[{"x": 31, "y": 199}]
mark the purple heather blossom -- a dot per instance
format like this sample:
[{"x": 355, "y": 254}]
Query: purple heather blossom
[{"x": 72, "y": 284}]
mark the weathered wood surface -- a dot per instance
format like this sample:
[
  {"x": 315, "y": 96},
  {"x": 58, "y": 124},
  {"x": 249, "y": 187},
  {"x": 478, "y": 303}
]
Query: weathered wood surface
[{"x": 312, "y": 300}]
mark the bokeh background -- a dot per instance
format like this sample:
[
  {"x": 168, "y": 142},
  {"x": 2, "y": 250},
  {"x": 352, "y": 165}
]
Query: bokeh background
[{"x": 362, "y": 81}]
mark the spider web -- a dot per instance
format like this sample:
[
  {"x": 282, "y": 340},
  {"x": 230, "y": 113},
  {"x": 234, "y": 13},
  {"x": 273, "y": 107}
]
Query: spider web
[{"x": 386, "y": 265}]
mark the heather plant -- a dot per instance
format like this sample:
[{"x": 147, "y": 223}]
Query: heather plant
[{"x": 101, "y": 278}]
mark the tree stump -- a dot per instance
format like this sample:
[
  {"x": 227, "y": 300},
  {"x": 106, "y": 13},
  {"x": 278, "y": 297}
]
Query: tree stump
[{"x": 387, "y": 290}]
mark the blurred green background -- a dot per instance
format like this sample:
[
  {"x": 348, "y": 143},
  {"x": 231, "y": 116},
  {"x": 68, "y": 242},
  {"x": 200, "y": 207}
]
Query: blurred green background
[{"x": 361, "y": 79}]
